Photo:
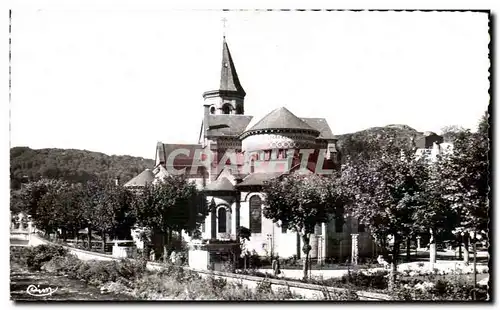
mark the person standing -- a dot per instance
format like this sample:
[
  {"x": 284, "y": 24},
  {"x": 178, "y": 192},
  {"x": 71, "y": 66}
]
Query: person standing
[{"x": 276, "y": 267}]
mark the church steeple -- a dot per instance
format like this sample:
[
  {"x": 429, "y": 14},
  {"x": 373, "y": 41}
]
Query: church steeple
[
  {"x": 229, "y": 81},
  {"x": 229, "y": 98}
]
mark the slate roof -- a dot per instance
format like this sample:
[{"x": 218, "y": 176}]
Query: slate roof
[
  {"x": 258, "y": 179},
  {"x": 227, "y": 125},
  {"x": 144, "y": 178},
  {"x": 164, "y": 150},
  {"x": 321, "y": 125},
  {"x": 281, "y": 118},
  {"x": 223, "y": 185},
  {"x": 229, "y": 80}
]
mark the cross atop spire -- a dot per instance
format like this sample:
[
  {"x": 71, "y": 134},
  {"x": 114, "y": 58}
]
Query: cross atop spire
[
  {"x": 229, "y": 98},
  {"x": 224, "y": 20}
]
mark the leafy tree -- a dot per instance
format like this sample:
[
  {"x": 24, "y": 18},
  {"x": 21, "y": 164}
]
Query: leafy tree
[
  {"x": 244, "y": 235},
  {"x": 384, "y": 193},
  {"x": 69, "y": 203},
  {"x": 436, "y": 214},
  {"x": 94, "y": 212},
  {"x": 465, "y": 173},
  {"x": 302, "y": 202},
  {"x": 40, "y": 200},
  {"x": 16, "y": 204},
  {"x": 108, "y": 209},
  {"x": 451, "y": 132},
  {"x": 171, "y": 205}
]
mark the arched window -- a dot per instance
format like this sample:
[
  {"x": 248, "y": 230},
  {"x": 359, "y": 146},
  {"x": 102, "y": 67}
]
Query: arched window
[
  {"x": 339, "y": 220},
  {"x": 255, "y": 214},
  {"x": 212, "y": 110},
  {"x": 226, "y": 109},
  {"x": 221, "y": 215}
]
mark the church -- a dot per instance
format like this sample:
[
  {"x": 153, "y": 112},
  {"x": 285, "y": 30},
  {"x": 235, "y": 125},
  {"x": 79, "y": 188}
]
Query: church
[{"x": 259, "y": 150}]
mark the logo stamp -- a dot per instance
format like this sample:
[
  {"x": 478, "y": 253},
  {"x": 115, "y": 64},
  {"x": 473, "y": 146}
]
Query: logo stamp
[{"x": 35, "y": 290}]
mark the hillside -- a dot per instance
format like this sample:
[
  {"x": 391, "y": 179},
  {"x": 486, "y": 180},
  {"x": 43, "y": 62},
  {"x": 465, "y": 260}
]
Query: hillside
[
  {"x": 81, "y": 166},
  {"x": 72, "y": 165},
  {"x": 366, "y": 142}
]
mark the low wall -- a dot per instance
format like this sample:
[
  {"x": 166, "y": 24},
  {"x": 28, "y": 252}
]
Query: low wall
[
  {"x": 307, "y": 290},
  {"x": 311, "y": 291}
]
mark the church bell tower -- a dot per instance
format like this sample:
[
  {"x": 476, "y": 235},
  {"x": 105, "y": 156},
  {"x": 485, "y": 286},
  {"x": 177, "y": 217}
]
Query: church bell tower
[{"x": 229, "y": 98}]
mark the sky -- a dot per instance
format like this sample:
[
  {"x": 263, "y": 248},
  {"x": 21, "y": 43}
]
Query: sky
[{"x": 118, "y": 82}]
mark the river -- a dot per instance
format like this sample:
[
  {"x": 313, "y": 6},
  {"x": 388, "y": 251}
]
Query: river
[{"x": 67, "y": 289}]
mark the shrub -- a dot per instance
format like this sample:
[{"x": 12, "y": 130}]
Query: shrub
[
  {"x": 62, "y": 264},
  {"x": 439, "y": 290},
  {"x": 264, "y": 287},
  {"x": 377, "y": 280},
  {"x": 19, "y": 255},
  {"x": 340, "y": 295},
  {"x": 38, "y": 255}
]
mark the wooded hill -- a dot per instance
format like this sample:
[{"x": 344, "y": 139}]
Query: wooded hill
[
  {"x": 81, "y": 165},
  {"x": 72, "y": 165}
]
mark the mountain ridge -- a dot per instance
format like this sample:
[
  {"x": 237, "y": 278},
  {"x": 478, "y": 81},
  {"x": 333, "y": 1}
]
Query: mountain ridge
[{"x": 76, "y": 165}]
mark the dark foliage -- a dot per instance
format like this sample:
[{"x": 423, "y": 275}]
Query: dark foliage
[
  {"x": 37, "y": 256},
  {"x": 75, "y": 166}
]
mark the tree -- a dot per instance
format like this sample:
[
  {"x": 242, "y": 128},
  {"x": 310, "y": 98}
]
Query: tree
[
  {"x": 171, "y": 205},
  {"x": 16, "y": 203},
  {"x": 436, "y": 214},
  {"x": 71, "y": 211},
  {"x": 113, "y": 214},
  {"x": 384, "y": 192},
  {"x": 302, "y": 202},
  {"x": 451, "y": 132},
  {"x": 96, "y": 211},
  {"x": 465, "y": 173},
  {"x": 244, "y": 235},
  {"x": 40, "y": 199}
]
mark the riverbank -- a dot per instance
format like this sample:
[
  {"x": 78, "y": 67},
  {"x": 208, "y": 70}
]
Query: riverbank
[
  {"x": 51, "y": 268},
  {"x": 65, "y": 289},
  {"x": 131, "y": 280}
]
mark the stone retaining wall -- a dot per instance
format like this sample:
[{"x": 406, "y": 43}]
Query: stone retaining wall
[{"x": 311, "y": 291}]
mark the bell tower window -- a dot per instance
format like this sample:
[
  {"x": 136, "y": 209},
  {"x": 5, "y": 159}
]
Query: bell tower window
[
  {"x": 212, "y": 110},
  {"x": 226, "y": 108}
]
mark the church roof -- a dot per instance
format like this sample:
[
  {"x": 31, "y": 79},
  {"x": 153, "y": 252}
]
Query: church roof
[
  {"x": 322, "y": 126},
  {"x": 144, "y": 178},
  {"x": 225, "y": 125},
  {"x": 281, "y": 118},
  {"x": 163, "y": 150},
  {"x": 223, "y": 184},
  {"x": 258, "y": 179},
  {"x": 229, "y": 80}
]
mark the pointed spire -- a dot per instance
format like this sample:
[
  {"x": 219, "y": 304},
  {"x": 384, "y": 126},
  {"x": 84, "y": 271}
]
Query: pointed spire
[{"x": 228, "y": 77}]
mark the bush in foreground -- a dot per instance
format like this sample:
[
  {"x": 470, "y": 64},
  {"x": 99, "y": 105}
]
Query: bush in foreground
[
  {"x": 37, "y": 256},
  {"x": 439, "y": 290}
]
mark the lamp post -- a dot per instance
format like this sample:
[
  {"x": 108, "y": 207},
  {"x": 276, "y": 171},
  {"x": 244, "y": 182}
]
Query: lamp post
[
  {"x": 474, "y": 240},
  {"x": 270, "y": 242}
]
